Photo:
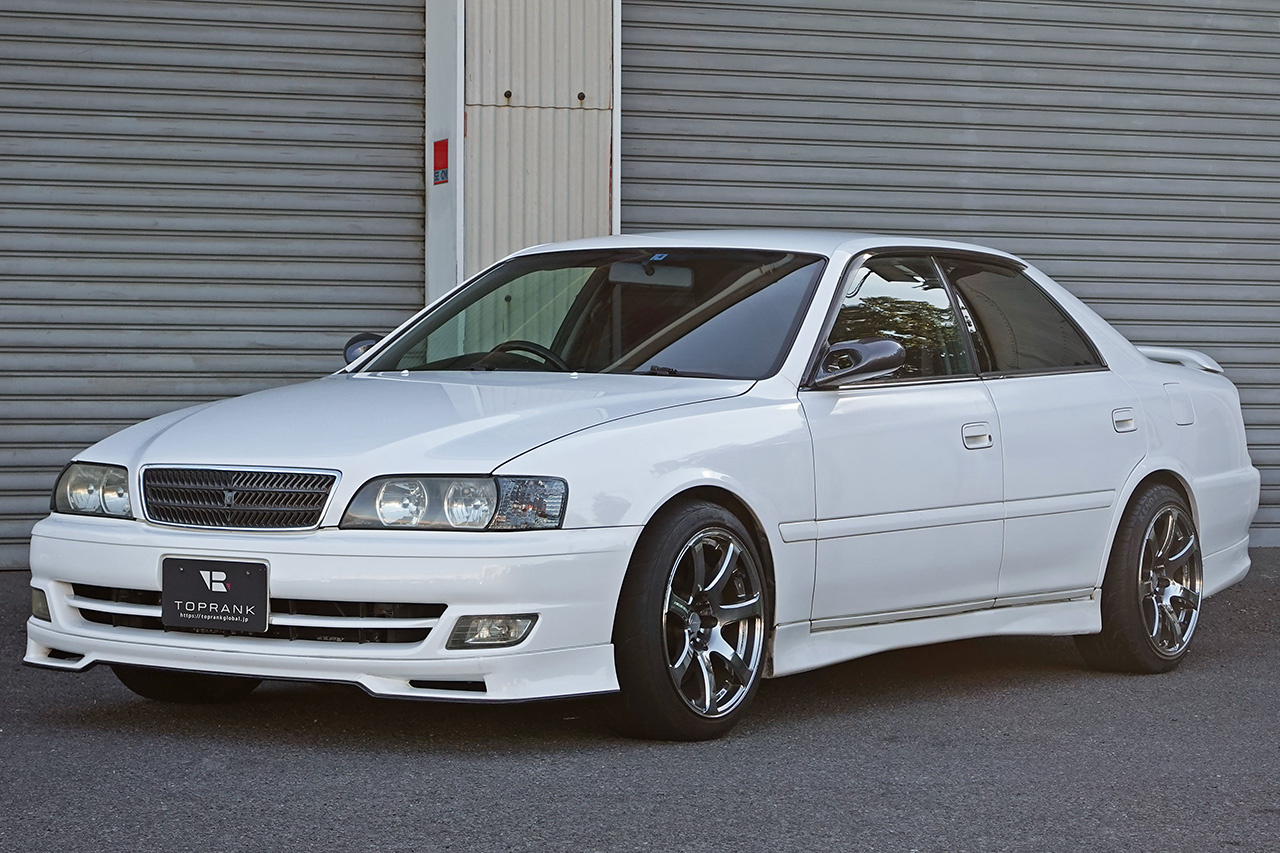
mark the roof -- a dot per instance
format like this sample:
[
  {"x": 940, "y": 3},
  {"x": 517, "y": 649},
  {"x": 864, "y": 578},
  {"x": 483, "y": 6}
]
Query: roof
[{"x": 807, "y": 240}]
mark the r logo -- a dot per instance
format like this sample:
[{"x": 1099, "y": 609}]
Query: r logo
[{"x": 216, "y": 581}]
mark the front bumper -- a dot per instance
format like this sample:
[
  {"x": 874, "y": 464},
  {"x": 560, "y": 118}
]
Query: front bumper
[{"x": 570, "y": 578}]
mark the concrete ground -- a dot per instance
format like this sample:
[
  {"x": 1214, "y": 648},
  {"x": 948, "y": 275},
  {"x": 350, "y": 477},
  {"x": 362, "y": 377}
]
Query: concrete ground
[{"x": 983, "y": 745}]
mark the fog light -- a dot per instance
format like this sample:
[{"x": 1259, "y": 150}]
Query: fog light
[
  {"x": 40, "y": 605},
  {"x": 490, "y": 632}
]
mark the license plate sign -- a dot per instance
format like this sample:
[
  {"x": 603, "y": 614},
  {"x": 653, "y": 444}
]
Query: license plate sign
[{"x": 213, "y": 595}]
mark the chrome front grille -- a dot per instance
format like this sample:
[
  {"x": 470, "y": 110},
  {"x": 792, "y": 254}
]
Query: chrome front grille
[
  {"x": 236, "y": 498},
  {"x": 290, "y": 618}
]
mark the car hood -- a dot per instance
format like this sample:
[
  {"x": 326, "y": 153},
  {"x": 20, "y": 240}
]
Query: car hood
[{"x": 385, "y": 423}]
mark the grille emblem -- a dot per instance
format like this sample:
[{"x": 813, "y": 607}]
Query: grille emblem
[{"x": 228, "y": 498}]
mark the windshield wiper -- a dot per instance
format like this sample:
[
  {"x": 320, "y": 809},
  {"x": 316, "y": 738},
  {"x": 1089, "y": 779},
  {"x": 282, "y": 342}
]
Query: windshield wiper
[{"x": 659, "y": 370}]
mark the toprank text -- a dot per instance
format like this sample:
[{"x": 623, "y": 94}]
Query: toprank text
[{"x": 214, "y": 609}]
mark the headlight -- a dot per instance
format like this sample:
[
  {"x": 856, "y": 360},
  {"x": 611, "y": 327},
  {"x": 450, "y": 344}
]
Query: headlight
[
  {"x": 469, "y": 504},
  {"x": 402, "y": 503},
  {"x": 88, "y": 489},
  {"x": 419, "y": 502}
]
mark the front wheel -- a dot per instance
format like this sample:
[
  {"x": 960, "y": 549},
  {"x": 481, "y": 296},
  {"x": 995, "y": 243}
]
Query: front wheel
[
  {"x": 192, "y": 688},
  {"x": 691, "y": 626},
  {"x": 1152, "y": 589}
]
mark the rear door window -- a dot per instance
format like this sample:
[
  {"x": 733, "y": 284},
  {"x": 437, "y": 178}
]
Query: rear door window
[{"x": 1016, "y": 327}]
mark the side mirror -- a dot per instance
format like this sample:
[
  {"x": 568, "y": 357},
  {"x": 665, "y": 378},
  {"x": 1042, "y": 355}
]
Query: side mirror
[
  {"x": 857, "y": 361},
  {"x": 359, "y": 345}
]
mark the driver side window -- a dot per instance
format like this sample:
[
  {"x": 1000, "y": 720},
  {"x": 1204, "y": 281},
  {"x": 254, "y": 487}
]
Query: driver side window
[{"x": 903, "y": 299}]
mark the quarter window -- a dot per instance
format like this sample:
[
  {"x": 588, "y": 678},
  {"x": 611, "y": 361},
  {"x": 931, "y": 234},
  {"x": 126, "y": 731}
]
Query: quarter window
[
  {"x": 1016, "y": 327},
  {"x": 905, "y": 300}
]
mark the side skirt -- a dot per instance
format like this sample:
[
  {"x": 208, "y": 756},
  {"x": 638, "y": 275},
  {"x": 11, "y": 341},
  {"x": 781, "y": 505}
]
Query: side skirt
[{"x": 798, "y": 648}]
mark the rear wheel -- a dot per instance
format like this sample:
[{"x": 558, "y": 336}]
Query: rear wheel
[
  {"x": 192, "y": 688},
  {"x": 690, "y": 632},
  {"x": 1152, "y": 589}
]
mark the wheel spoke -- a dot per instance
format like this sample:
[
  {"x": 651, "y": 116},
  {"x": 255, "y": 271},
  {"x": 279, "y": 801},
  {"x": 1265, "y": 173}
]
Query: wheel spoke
[
  {"x": 699, "y": 566},
  {"x": 1156, "y": 625},
  {"x": 708, "y": 703},
  {"x": 727, "y": 614},
  {"x": 721, "y": 648},
  {"x": 724, "y": 569},
  {"x": 739, "y": 669},
  {"x": 1171, "y": 625},
  {"x": 681, "y": 666},
  {"x": 1185, "y": 597},
  {"x": 1179, "y": 560},
  {"x": 1166, "y": 541},
  {"x": 1149, "y": 553}
]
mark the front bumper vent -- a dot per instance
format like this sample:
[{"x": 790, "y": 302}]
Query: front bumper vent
[
  {"x": 236, "y": 498},
  {"x": 290, "y": 618}
]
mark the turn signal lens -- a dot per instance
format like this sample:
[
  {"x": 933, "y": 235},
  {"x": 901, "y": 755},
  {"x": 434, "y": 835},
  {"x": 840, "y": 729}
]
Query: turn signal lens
[
  {"x": 490, "y": 632},
  {"x": 530, "y": 503}
]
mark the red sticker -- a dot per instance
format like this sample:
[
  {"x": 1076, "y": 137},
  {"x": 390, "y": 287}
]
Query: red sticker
[{"x": 440, "y": 169}]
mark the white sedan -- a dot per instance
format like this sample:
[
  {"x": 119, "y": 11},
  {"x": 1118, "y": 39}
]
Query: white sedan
[{"x": 664, "y": 466}]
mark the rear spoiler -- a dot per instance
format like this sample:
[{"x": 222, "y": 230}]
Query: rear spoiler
[{"x": 1186, "y": 357}]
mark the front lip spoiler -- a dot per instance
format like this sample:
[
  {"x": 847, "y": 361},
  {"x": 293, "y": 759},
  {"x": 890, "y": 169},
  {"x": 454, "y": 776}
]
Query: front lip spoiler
[{"x": 460, "y": 699}]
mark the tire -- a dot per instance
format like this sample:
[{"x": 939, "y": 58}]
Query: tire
[
  {"x": 191, "y": 688},
  {"x": 1151, "y": 592},
  {"x": 691, "y": 627}
]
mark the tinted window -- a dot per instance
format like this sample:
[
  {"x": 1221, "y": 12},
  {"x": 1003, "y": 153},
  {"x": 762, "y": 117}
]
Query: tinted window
[
  {"x": 1016, "y": 326},
  {"x": 903, "y": 299},
  {"x": 707, "y": 312}
]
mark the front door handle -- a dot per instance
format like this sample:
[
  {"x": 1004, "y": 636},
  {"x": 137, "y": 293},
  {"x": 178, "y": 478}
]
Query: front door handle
[{"x": 977, "y": 436}]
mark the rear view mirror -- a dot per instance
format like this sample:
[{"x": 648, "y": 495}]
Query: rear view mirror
[
  {"x": 858, "y": 361},
  {"x": 359, "y": 345},
  {"x": 651, "y": 274}
]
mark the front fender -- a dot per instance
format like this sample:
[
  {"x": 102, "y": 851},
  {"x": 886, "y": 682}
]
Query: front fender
[{"x": 755, "y": 446}]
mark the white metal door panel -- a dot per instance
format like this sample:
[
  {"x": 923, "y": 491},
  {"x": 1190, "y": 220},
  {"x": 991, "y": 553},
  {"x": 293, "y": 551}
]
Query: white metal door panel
[
  {"x": 908, "y": 516},
  {"x": 1065, "y": 461}
]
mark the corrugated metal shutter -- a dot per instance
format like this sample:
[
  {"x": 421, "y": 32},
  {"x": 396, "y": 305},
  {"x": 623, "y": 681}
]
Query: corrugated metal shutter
[
  {"x": 539, "y": 157},
  {"x": 197, "y": 199},
  {"x": 1129, "y": 148}
]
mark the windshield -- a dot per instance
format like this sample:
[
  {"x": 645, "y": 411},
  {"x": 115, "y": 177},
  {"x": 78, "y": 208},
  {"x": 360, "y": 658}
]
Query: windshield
[{"x": 728, "y": 313}]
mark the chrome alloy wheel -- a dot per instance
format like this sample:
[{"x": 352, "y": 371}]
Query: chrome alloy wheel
[
  {"x": 713, "y": 623},
  {"x": 1170, "y": 579}
]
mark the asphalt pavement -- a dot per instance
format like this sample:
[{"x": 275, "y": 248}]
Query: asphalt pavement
[{"x": 983, "y": 745}]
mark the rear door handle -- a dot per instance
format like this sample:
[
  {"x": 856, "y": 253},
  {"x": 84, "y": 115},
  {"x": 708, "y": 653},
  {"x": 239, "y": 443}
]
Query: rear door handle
[
  {"x": 1124, "y": 420},
  {"x": 977, "y": 436}
]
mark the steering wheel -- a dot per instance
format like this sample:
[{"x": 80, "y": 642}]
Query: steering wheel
[{"x": 537, "y": 349}]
